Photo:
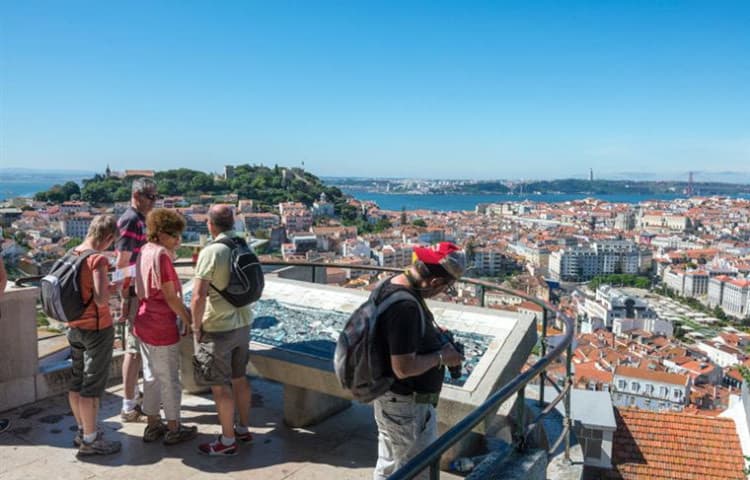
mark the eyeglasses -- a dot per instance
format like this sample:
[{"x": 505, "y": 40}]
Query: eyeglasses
[{"x": 173, "y": 234}]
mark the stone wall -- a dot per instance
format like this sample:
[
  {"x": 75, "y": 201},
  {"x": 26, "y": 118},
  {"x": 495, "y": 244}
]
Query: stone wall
[{"x": 21, "y": 379}]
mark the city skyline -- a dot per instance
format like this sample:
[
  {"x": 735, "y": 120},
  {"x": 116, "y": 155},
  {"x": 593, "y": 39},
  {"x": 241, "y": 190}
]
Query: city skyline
[{"x": 417, "y": 90}]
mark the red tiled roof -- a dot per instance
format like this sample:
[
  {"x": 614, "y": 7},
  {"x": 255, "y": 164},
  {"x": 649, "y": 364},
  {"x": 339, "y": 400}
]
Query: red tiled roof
[
  {"x": 674, "y": 446},
  {"x": 643, "y": 374}
]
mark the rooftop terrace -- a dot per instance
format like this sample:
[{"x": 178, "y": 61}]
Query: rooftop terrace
[{"x": 38, "y": 443}]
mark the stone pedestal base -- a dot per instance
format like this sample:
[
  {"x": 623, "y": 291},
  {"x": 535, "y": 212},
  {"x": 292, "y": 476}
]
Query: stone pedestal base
[{"x": 303, "y": 407}]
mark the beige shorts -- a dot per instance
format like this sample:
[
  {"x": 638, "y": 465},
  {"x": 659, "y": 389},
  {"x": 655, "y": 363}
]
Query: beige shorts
[{"x": 132, "y": 344}]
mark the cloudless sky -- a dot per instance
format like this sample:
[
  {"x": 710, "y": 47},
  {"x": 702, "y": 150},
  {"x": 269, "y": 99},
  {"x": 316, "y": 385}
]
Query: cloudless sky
[{"x": 527, "y": 89}]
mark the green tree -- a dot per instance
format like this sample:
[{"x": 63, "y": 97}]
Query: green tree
[
  {"x": 96, "y": 192},
  {"x": 419, "y": 223},
  {"x": 382, "y": 224},
  {"x": 69, "y": 189}
]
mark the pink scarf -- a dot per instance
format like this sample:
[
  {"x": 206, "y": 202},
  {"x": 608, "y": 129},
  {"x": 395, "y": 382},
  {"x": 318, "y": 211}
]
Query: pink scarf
[{"x": 147, "y": 269}]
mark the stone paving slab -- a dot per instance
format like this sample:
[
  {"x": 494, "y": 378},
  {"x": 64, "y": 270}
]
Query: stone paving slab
[{"x": 342, "y": 447}]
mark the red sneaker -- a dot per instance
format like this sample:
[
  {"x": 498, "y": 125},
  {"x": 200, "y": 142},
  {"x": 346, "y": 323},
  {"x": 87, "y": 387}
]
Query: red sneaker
[
  {"x": 243, "y": 437},
  {"x": 216, "y": 448}
]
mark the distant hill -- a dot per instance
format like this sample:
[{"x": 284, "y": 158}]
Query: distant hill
[{"x": 266, "y": 185}]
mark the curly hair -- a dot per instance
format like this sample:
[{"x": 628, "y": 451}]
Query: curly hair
[{"x": 163, "y": 220}]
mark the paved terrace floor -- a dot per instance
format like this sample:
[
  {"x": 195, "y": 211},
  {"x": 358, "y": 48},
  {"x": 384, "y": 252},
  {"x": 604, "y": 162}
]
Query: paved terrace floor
[{"x": 38, "y": 444}]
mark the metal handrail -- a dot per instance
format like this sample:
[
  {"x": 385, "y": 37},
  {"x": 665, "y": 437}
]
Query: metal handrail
[{"x": 430, "y": 456}]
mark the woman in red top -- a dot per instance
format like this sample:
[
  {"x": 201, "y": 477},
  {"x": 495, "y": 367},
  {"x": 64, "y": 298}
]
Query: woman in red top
[{"x": 156, "y": 325}]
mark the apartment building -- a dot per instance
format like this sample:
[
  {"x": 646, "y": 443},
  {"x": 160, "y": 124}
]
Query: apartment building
[
  {"x": 76, "y": 225},
  {"x": 650, "y": 390},
  {"x": 611, "y": 303},
  {"x": 322, "y": 207},
  {"x": 578, "y": 264},
  {"x": 394, "y": 255},
  {"x": 297, "y": 220},
  {"x": 731, "y": 294},
  {"x": 692, "y": 283},
  {"x": 658, "y": 326},
  {"x": 721, "y": 354},
  {"x": 491, "y": 261},
  {"x": 260, "y": 221},
  {"x": 660, "y": 221}
]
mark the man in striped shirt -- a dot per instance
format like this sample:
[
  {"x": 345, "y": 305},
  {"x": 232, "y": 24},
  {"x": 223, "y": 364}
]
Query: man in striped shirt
[{"x": 132, "y": 229}]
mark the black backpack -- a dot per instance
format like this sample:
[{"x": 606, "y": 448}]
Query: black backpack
[
  {"x": 61, "y": 290},
  {"x": 246, "y": 274},
  {"x": 358, "y": 361}
]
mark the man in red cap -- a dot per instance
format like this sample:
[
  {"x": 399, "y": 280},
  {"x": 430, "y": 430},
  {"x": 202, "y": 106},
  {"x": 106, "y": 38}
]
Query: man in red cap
[{"x": 409, "y": 337}]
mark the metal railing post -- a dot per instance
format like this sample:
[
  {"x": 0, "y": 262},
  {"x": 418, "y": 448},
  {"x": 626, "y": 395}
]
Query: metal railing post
[
  {"x": 569, "y": 381},
  {"x": 435, "y": 470},
  {"x": 543, "y": 375},
  {"x": 519, "y": 440},
  {"x": 481, "y": 295},
  {"x": 314, "y": 271}
]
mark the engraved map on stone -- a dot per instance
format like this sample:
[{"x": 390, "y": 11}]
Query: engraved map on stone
[{"x": 314, "y": 331}]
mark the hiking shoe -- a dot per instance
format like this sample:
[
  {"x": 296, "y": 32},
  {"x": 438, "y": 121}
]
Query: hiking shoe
[
  {"x": 78, "y": 439},
  {"x": 216, "y": 448},
  {"x": 99, "y": 447},
  {"x": 182, "y": 434},
  {"x": 133, "y": 415},
  {"x": 246, "y": 437},
  {"x": 154, "y": 431}
]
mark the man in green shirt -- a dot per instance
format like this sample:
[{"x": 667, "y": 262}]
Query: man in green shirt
[{"x": 222, "y": 333}]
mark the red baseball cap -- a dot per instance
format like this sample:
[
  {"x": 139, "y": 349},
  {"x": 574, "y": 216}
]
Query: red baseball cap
[{"x": 446, "y": 254}]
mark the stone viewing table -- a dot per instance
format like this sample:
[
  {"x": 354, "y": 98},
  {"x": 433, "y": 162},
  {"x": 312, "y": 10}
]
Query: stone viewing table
[{"x": 296, "y": 325}]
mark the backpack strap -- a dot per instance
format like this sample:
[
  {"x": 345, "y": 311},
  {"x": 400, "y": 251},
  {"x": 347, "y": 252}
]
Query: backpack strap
[
  {"x": 399, "y": 296},
  {"x": 232, "y": 243},
  {"x": 80, "y": 258}
]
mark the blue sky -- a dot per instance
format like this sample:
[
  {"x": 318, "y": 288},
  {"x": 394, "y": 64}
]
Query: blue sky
[{"x": 435, "y": 89}]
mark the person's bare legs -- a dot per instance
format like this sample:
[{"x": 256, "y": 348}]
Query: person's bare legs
[
  {"x": 84, "y": 410},
  {"x": 242, "y": 398},
  {"x": 131, "y": 365},
  {"x": 225, "y": 408}
]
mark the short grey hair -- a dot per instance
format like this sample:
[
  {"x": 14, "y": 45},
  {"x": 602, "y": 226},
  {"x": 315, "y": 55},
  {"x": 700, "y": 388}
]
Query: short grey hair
[{"x": 142, "y": 184}]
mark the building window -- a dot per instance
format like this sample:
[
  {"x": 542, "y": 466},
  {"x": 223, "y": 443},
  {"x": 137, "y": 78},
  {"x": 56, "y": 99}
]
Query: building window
[
  {"x": 621, "y": 384},
  {"x": 635, "y": 386}
]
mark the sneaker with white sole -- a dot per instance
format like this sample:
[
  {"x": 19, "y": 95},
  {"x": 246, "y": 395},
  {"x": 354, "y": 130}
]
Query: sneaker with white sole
[
  {"x": 182, "y": 434},
  {"x": 131, "y": 416},
  {"x": 218, "y": 449},
  {"x": 246, "y": 437},
  {"x": 154, "y": 431},
  {"x": 78, "y": 439},
  {"x": 100, "y": 446}
]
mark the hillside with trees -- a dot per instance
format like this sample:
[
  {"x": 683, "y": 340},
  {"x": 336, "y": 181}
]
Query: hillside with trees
[{"x": 267, "y": 186}]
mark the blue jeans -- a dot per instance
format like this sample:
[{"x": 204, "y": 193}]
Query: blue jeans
[{"x": 405, "y": 428}]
